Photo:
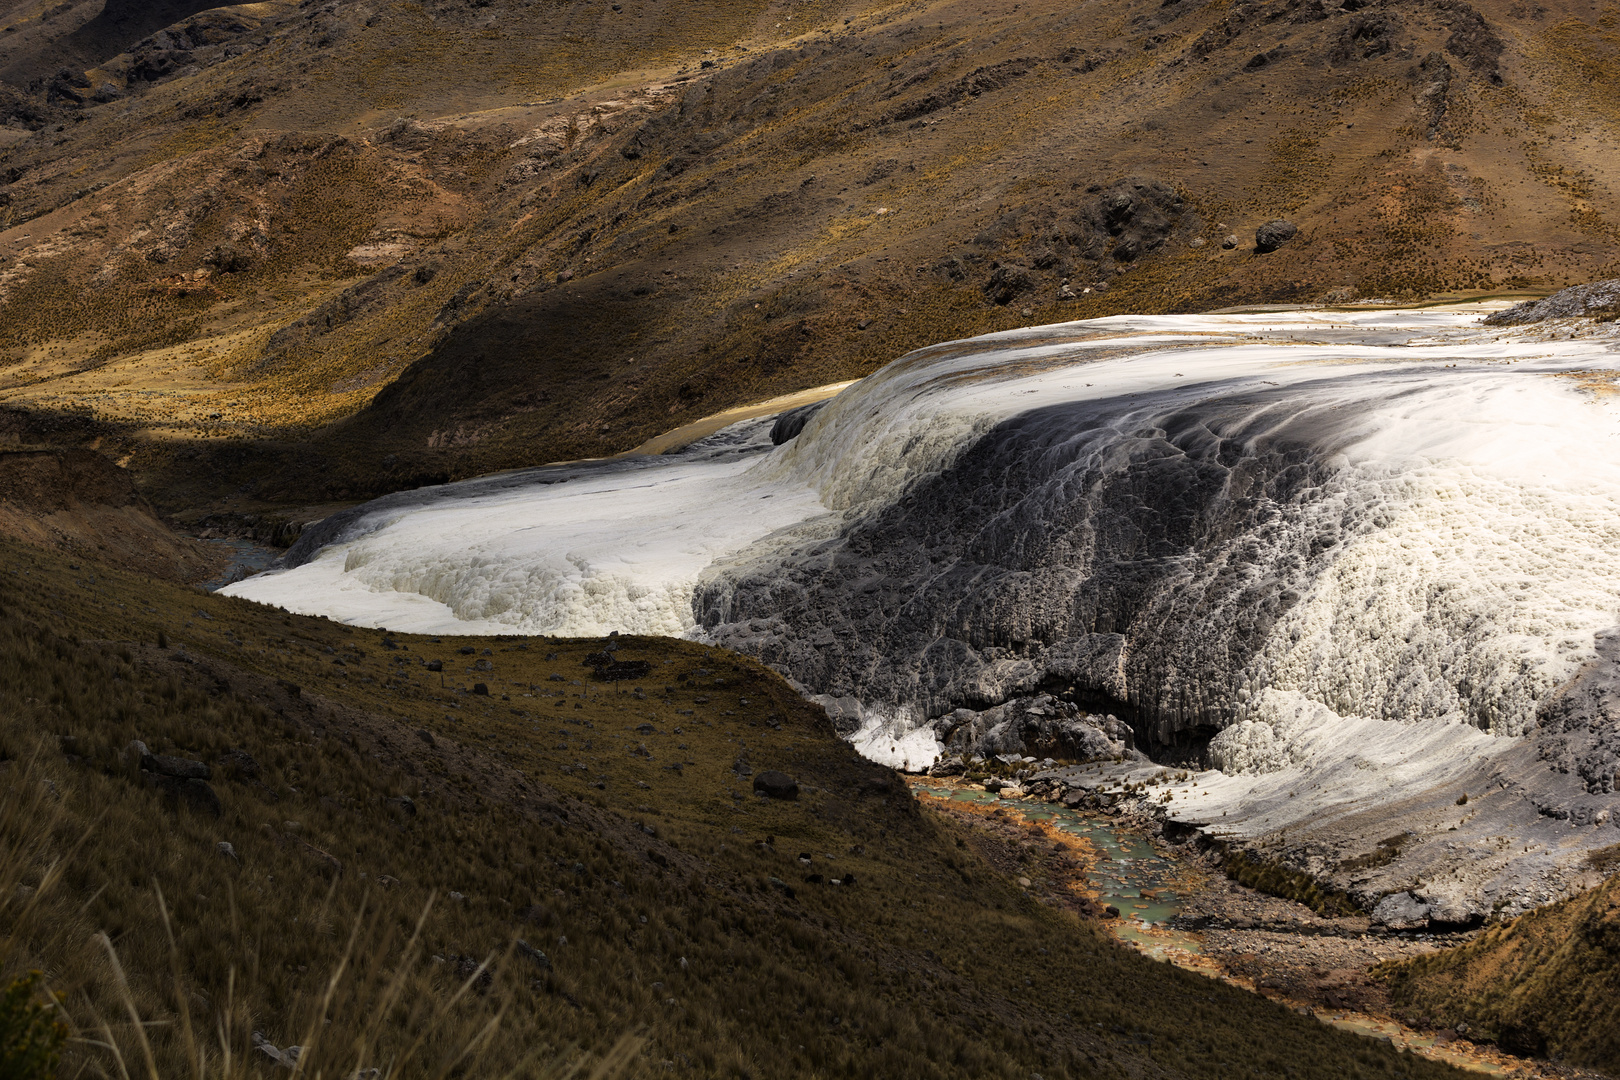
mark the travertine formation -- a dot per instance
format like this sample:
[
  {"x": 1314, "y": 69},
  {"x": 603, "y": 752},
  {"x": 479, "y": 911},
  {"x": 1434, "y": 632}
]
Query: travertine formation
[{"x": 1340, "y": 558}]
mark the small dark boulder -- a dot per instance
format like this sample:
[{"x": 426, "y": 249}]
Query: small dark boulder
[
  {"x": 480, "y": 688},
  {"x": 180, "y": 768},
  {"x": 777, "y": 785},
  {"x": 533, "y": 954},
  {"x": 469, "y": 970},
  {"x": 435, "y": 665},
  {"x": 1273, "y": 235}
]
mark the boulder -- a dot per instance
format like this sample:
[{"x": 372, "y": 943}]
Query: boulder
[
  {"x": 1401, "y": 911},
  {"x": 197, "y": 795},
  {"x": 1597, "y": 299},
  {"x": 533, "y": 954},
  {"x": 1273, "y": 235},
  {"x": 777, "y": 785}
]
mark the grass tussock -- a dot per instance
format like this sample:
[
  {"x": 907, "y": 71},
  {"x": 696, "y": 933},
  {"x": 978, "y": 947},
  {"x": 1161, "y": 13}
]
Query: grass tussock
[
  {"x": 1275, "y": 879},
  {"x": 403, "y": 850}
]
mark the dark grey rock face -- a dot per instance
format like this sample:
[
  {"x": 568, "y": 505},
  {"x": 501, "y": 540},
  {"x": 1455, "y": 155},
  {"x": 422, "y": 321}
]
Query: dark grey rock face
[
  {"x": 1139, "y": 556},
  {"x": 789, "y": 424},
  {"x": 180, "y": 768},
  {"x": 1595, "y": 299},
  {"x": 197, "y": 795},
  {"x": 1040, "y": 725}
]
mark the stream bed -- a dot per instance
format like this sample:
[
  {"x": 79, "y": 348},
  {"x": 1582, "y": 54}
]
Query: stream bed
[
  {"x": 243, "y": 558},
  {"x": 1147, "y": 888}
]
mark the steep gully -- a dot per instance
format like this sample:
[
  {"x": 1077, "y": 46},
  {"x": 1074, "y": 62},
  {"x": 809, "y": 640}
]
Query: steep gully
[{"x": 1349, "y": 568}]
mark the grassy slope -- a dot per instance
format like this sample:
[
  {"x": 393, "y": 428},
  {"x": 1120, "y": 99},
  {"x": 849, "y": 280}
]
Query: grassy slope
[
  {"x": 1544, "y": 984},
  {"x": 930, "y": 965},
  {"x": 574, "y": 299}
]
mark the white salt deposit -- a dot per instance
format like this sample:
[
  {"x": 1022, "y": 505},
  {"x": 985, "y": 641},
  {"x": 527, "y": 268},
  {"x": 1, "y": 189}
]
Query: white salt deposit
[
  {"x": 1477, "y": 498},
  {"x": 619, "y": 552}
]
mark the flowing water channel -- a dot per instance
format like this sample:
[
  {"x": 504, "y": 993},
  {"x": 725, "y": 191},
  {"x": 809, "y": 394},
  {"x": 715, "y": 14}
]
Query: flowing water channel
[
  {"x": 243, "y": 558},
  {"x": 1128, "y": 873},
  {"x": 1146, "y": 888}
]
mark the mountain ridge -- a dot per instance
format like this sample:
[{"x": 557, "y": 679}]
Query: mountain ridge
[{"x": 377, "y": 279}]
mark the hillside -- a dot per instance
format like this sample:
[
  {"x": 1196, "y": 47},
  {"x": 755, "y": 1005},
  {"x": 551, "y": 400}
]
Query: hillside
[
  {"x": 291, "y": 253},
  {"x": 1544, "y": 984},
  {"x": 413, "y": 832},
  {"x": 79, "y": 503}
]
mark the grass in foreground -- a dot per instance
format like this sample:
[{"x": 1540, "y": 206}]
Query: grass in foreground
[{"x": 427, "y": 844}]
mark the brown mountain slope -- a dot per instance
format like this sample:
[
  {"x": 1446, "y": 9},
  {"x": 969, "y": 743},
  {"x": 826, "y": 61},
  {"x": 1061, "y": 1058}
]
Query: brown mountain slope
[{"x": 353, "y": 248}]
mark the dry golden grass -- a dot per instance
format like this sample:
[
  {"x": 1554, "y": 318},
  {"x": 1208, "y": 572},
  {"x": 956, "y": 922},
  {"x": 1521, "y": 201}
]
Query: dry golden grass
[{"x": 1541, "y": 985}]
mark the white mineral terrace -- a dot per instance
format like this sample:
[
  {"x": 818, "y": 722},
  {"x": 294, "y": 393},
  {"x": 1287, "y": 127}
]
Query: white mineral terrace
[{"x": 1475, "y": 484}]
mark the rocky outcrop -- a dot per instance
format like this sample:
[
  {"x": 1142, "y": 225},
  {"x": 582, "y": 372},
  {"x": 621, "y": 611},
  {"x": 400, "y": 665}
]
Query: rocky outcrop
[
  {"x": 183, "y": 781},
  {"x": 1595, "y": 300},
  {"x": 776, "y": 785},
  {"x": 1273, "y": 235},
  {"x": 1136, "y": 216},
  {"x": 1041, "y": 725}
]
